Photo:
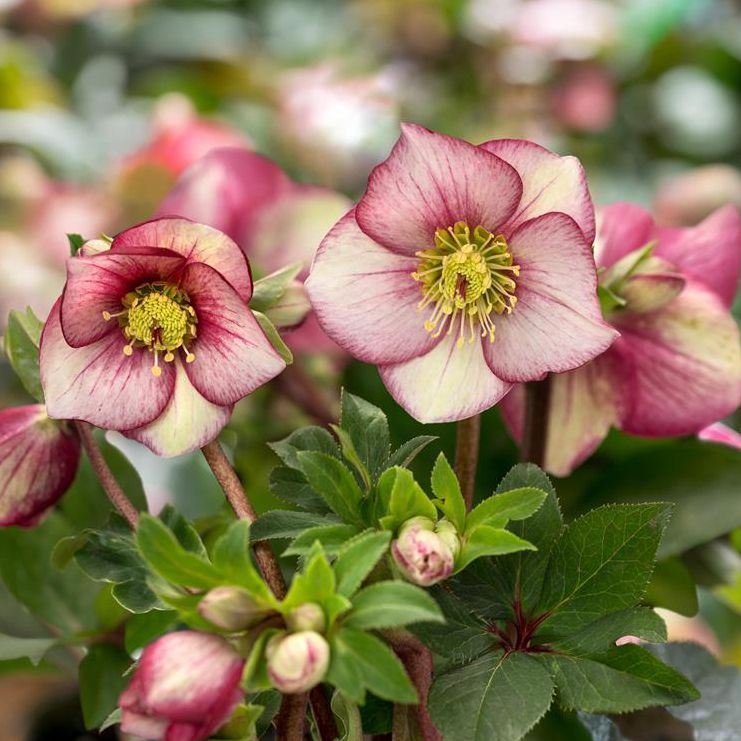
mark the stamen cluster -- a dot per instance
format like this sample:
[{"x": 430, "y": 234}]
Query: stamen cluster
[{"x": 465, "y": 278}]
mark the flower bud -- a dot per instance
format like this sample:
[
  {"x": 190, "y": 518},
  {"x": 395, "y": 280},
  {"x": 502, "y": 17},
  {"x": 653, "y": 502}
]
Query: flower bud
[
  {"x": 425, "y": 523},
  {"x": 186, "y": 686},
  {"x": 230, "y": 608},
  {"x": 308, "y": 616},
  {"x": 297, "y": 661},
  {"x": 447, "y": 532},
  {"x": 423, "y": 556}
]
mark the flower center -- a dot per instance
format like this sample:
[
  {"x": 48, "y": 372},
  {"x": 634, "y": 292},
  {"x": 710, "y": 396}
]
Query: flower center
[
  {"x": 159, "y": 317},
  {"x": 464, "y": 278}
]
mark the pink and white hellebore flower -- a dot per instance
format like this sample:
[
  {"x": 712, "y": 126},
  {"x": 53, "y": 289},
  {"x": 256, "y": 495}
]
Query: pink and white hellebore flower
[
  {"x": 185, "y": 688},
  {"x": 297, "y": 661},
  {"x": 38, "y": 462},
  {"x": 154, "y": 337},
  {"x": 462, "y": 270},
  {"x": 425, "y": 556},
  {"x": 676, "y": 367},
  {"x": 274, "y": 220}
]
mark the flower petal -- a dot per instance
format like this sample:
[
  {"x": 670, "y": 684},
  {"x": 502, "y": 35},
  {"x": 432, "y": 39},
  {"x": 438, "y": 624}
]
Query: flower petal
[
  {"x": 232, "y": 354},
  {"x": 720, "y": 433},
  {"x": 686, "y": 364},
  {"x": 584, "y": 404},
  {"x": 365, "y": 297},
  {"x": 98, "y": 383},
  {"x": 38, "y": 462},
  {"x": 549, "y": 183},
  {"x": 709, "y": 252},
  {"x": 622, "y": 228},
  {"x": 429, "y": 181},
  {"x": 187, "y": 423},
  {"x": 446, "y": 384},
  {"x": 226, "y": 189},
  {"x": 557, "y": 324},
  {"x": 197, "y": 243},
  {"x": 98, "y": 283}
]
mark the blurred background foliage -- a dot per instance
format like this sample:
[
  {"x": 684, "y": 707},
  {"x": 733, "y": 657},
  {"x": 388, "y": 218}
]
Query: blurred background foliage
[{"x": 104, "y": 102}]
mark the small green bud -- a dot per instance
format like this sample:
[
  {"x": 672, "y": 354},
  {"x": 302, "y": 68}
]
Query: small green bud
[
  {"x": 231, "y": 608},
  {"x": 423, "y": 523},
  {"x": 308, "y": 616}
]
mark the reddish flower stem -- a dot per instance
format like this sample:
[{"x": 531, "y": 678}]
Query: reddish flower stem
[
  {"x": 107, "y": 480},
  {"x": 293, "y": 709},
  {"x": 468, "y": 433},
  {"x": 535, "y": 428},
  {"x": 299, "y": 387}
]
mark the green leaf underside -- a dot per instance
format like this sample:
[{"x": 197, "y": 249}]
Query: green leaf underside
[{"x": 498, "y": 697}]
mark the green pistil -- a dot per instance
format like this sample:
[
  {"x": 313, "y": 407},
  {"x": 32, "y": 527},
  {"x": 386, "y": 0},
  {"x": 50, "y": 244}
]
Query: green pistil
[
  {"x": 157, "y": 316},
  {"x": 465, "y": 278}
]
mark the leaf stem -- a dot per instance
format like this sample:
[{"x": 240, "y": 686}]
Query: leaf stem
[
  {"x": 104, "y": 474},
  {"x": 291, "y": 715},
  {"x": 535, "y": 428},
  {"x": 468, "y": 433}
]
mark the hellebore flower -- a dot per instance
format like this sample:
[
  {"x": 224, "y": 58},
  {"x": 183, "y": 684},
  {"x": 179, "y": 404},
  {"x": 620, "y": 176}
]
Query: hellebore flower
[
  {"x": 274, "y": 220},
  {"x": 297, "y": 661},
  {"x": 38, "y": 462},
  {"x": 154, "y": 338},
  {"x": 185, "y": 687},
  {"x": 424, "y": 556},
  {"x": 462, "y": 270},
  {"x": 676, "y": 367}
]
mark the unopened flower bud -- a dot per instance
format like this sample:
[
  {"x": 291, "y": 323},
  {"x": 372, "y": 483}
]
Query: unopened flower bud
[
  {"x": 308, "y": 616},
  {"x": 230, "y": 608},
  {"x": 447, "y": 532},
  {"x": 297, "y": 661},
  {"x": 425, "y": 523},
  {"x": 423, "y": 556}
]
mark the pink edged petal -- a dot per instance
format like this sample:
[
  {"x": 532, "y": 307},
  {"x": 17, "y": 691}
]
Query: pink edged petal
[
  {"x": 291, "y": 228},
  {"x": 720, "y": 433},
  {"x": 557, "y": 324},
  {"x": 226, "y": 189},
  {"x": 187, "y": 423},
  {"x": 98, "y": 283},
  {"x": 143, "y": 726},
  {"x": 446, "y": 384},
  {"x": 584, "y": 404},
  {"x": 38, "y": 461},
  {"x": 198, "y": 243},
  {"x": 232, "y": 354},
  {"x": 98, "y": 383},
  {"x": 431, "y": 181},
  {"x": 686, "y": 365},
  {"x": 549, "y": 183},
  {"x": 365, "y": 297},
  {"x": 709, "y": 252},
  {"x": 622, "y": 228}
]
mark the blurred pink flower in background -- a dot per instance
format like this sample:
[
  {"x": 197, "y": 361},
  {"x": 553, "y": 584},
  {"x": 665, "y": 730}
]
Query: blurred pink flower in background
[
  {"x": 686, "y": 199},
  {"x": 676, "y": 367},
  {"x": 337, "y": 127},
  {"x": 586, "y": 99}
]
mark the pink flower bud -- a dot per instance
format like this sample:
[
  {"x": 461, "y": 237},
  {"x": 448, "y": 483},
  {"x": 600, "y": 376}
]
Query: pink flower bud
[
  {"x": 423, "y": 556},
  {"x": 298, "y": 661},
  {"x": 231, "y": 609},
  {"x": 38, "y": 461},
  {"x": 308, "y": 616},
  {"x": 185, "y": 687},
  {"x": 448, "y": 533}
]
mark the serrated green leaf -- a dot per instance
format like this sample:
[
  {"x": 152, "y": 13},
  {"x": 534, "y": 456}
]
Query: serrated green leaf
[
  {"x": 311, "y": 438},
  {"x": 291, "y": 486},
  {"x": 334, "y": 482},
  {"x": 34, "y": 649},
  {"x": 391, "y": 604},
  {"x": 407, "y": 452},
  {"x": 268, "y": 290},
  {"x": 332, "y": 538},
  {"x": 166, "y": 557},
  {"x": 499, "y": 509},
  {"x": 283, "y": 523},
  {"x": 351, "y": 455},
  {"x": 255, "y": 674},
  {"x": 446, "y": 488},
  {"x": 617, "y": 681},
  {"x": 601, "y": 564},
  {"x": 672, "y": 587},
  {"x": 183, "y": 530},
  {"x": 22, "y": 337},
  {"x": 75, "y": 243},
  {"x": 271, "y": 332},
  {"x": 489, "y": 541},
  {"x": 102, "y": 681},
  {"x": 498, "y": 697},
  {"x": 350, "y": 727},
  {"x": 640, "y": 622},
  {"x": 316, "y": 583},
  {"x": 357, "y": 558},
  {"x": 406, "y": 499},
  {"x": 368, "y": 429},
  {"x": 368, "y": 661}
]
